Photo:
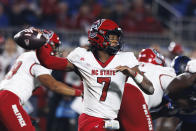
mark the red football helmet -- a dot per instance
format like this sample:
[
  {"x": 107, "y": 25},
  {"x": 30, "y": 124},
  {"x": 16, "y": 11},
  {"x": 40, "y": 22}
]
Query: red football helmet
[
  {"x": 175, "y": 48},
  {"x": 53, "y": 41},
  {"x": 98, "y": 35},
  {"x": 151, "y": 56}
]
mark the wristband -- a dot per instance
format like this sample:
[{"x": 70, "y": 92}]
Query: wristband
[
  {"x": 139, "y": 78},
  {"x": 78, "y": 92}
]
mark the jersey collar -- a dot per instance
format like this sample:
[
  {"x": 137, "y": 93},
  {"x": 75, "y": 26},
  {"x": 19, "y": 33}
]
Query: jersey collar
[{"x": 106, "y": 63}]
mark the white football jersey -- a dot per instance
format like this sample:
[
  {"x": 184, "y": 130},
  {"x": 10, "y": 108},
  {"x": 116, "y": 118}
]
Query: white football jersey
[
  {"x": 160, "y": 78},
  {"x": 191, "y": 66},
  {"x": 5, "y": 61},
  {"x": 20, "y": 79},
  {"x": 103, "y": 86}
]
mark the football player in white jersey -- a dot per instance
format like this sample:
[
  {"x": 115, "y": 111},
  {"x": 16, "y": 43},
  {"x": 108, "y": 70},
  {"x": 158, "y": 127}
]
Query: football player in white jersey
[
  {"x": 151, "y": 64},
  {"x": 104, "y": 69},
  {"x": 17, "y": 88}
]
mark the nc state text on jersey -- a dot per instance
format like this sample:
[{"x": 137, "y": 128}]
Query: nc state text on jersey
[{"x": 103, "y": 72}]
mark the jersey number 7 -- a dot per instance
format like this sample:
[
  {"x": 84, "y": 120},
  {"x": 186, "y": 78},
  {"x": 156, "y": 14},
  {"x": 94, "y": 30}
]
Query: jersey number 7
[{"x": 106, "y": 81}]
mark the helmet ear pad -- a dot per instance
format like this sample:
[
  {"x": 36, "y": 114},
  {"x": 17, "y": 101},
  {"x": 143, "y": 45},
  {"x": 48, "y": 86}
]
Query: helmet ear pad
[{"x": 101, "y": 40}]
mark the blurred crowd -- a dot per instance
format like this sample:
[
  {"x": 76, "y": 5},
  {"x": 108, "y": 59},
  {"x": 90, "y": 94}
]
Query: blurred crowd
[
  {"x": 78, "y": 14},
  {"x": 185, "y": 7},
  {"x": 133, "y": 15}
]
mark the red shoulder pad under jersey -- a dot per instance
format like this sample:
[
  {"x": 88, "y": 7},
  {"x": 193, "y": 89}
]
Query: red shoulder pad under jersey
[{"x": 49, "y": 61}]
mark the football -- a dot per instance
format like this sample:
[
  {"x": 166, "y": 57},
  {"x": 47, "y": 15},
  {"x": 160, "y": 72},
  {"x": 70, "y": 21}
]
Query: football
[{"x": 30, "y": 39}]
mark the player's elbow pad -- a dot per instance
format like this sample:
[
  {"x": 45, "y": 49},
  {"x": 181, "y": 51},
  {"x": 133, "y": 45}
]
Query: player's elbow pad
[{"x": 51, "y": 62}]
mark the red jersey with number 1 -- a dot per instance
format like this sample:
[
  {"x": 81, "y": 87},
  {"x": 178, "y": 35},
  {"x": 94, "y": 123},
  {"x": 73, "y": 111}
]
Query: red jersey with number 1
[
  {"x": 20, "y": 79},
  {"x": 103, "y": 86}
]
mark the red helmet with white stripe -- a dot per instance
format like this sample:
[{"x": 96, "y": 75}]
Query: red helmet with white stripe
[
  {"x": 151, "y": 56},
  {"x": 98, "y": 35}
]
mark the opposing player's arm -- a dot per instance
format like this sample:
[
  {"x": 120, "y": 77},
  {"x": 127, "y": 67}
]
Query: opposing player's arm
[
  {"x": 139, "y": 78},
  {"x": 52, "y": 62},
  {"x": 180, "y": 84},
  {"x": 57, "y": 86}
]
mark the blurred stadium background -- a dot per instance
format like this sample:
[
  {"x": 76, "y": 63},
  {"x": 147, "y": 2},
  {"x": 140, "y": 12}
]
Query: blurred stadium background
[{"x": 145, "y": 23}]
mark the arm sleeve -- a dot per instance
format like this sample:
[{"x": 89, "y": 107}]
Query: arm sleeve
[
  {"x": 51, "y": 62},
  {"x": 38, "y": 70}
]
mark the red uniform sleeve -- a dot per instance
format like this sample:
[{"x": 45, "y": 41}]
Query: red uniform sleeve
[{"x": 49, "y": 61}]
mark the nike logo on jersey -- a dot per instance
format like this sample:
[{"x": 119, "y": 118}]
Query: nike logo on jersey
[
  {"x": 82, "y": 58},
  {"x": 18, "y": 115},
  {"x": 103, "y": 72}
]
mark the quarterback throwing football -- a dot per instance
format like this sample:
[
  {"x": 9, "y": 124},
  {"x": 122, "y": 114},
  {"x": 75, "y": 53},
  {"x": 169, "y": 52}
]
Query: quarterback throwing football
[{"x": 104, "y": 69}]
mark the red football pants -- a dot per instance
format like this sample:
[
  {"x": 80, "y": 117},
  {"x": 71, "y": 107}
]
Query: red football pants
[
  {"x": 90, "y": 123},
  {"x": 12, "y": 115},
  {"x": 134, "y": 114}
]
